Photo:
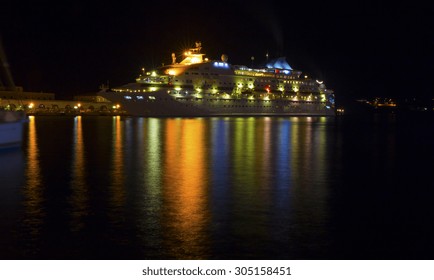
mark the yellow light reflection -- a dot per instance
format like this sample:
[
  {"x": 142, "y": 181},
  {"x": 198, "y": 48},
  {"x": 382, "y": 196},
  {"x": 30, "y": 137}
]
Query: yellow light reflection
[
  {"x": 153, "y": 167},
  {"x": 79, "y": 196},
  {"x": 117, "y": 174},
  {"x": 33, "y": 188}
]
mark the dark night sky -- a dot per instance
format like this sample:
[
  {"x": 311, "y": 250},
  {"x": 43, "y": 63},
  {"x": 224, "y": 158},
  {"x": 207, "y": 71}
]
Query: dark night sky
[{"x": 360, "y": 48}]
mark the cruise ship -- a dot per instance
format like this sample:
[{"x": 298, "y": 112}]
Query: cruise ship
[{"x": 198, "y": 86}]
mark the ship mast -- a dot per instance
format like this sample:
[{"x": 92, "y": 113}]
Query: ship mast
[{"x": 6, "y": 81}]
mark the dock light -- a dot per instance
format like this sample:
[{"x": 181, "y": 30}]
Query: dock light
[
  {"x": 75, "y": 107},
  {"x": 79, "y": 105},
  {"x": 31, "y": 105}
]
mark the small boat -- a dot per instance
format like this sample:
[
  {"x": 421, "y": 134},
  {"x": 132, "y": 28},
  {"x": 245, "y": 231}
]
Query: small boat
[{"x": 11, "y": 128}]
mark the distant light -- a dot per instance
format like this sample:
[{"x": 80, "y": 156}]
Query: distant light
[
  {"x": 127, "y": 97},
  {"x": 172, "y": 72}
]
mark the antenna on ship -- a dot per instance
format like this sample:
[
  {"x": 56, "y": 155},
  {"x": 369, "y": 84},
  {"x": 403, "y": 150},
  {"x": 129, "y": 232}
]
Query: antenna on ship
[
  {"x": 198, "y": 47},
  {"x": 173, "y": 58}
]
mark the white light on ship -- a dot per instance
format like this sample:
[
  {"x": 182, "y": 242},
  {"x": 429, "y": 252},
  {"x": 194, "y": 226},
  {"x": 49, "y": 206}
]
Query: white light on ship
[
  {"x": 323, "y": 98},
  {"x": 152, "y": 88},
  {"x": 153, "y": 74},
  {"x": 178, "y": 88}
]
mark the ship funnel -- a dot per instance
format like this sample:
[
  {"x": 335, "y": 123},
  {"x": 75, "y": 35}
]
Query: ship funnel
[{"x": 224, "y": 58}]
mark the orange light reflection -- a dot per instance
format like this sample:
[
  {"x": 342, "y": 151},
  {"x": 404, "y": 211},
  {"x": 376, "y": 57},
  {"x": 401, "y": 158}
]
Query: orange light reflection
[{"x": 184, "y": 188}]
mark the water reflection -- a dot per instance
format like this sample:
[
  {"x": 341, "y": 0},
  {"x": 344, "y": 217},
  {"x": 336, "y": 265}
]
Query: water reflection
[
  {"x": 244, "y": 185},
  {"x": 176, "y": 188},
  {"x": 33, "y": 192},
  {"x": 185, "y": 188},
  {"x": 118, "y": 184},
  {"x": 11, "y": 181},
  {"x": 79, "y": 187}
]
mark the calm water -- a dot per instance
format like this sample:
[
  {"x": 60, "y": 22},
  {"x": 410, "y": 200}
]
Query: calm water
[{"x": 220, "y": 188}]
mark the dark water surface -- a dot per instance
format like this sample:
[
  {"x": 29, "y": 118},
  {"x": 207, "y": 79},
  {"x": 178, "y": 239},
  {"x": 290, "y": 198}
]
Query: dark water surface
[{"x": 348, "y": 187}]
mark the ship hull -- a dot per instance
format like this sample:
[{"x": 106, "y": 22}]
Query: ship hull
[
  {"x": 11, "y": 134},
  {"x": 11, "y": 129},
  {"x": 163, "y": 104}
]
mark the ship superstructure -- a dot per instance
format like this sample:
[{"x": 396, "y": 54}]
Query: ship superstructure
[{"x": 197, "y": 86}]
